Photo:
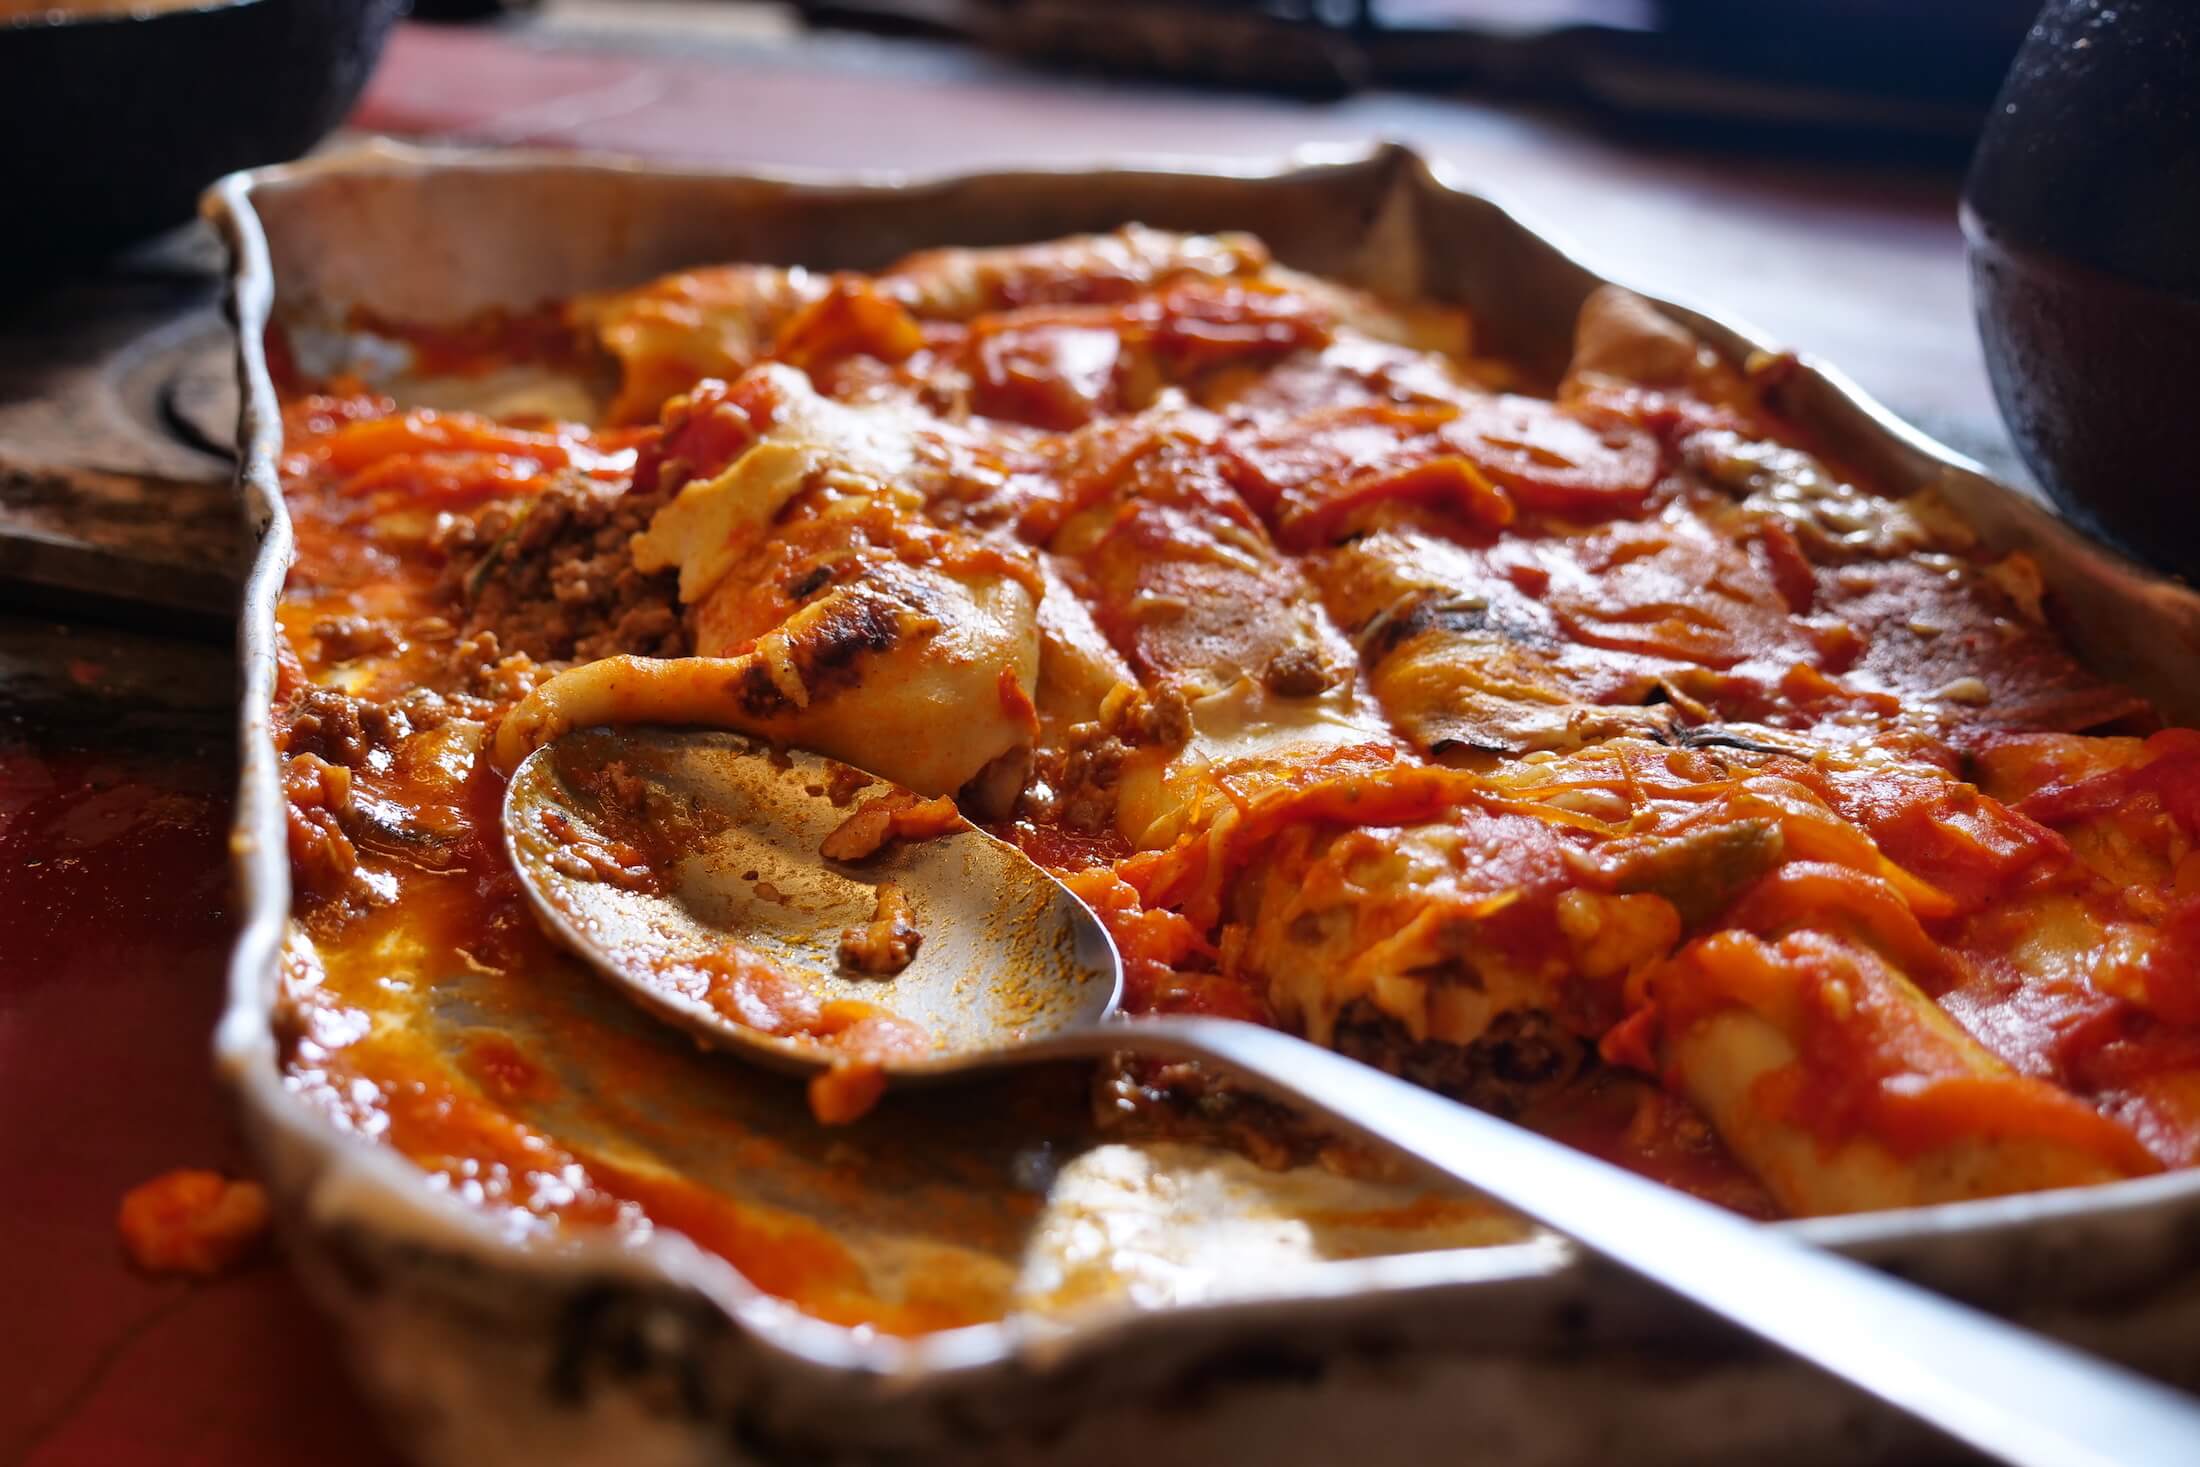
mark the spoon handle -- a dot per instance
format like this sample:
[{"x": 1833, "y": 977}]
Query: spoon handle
[{"x": 2004, "y": 1390}]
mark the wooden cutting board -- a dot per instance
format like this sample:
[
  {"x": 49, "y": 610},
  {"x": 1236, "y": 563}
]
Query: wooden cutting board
[
  {"x": 117, "y": 406},
  {"x": 142, "y": 549}
]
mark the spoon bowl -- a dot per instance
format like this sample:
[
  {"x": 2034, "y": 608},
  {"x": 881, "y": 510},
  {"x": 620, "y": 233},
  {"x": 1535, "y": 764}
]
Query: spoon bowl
[{"x": 672, "y": 858}]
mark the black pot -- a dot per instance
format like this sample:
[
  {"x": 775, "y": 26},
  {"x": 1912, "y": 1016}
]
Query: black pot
[
  {"x": 2083, "y": 212},
  {"x": 113, "y": 124}
]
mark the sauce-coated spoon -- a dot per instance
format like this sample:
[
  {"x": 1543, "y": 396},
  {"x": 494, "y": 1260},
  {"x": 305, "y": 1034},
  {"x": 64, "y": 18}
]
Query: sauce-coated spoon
[{"x": 685, "y": 866}]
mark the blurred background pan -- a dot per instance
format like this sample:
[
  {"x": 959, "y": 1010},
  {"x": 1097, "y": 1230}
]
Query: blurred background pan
[
  {"x": 116, "y": 113},
  {"x": 1870, "y": 71}
]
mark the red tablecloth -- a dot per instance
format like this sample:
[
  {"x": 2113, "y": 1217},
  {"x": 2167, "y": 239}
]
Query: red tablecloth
[{"x": 114, "y": 929}]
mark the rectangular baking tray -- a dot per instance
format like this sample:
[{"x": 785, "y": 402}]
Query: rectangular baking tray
[{"x": 594, "y": 1351}]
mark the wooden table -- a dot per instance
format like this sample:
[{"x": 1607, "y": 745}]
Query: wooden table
[{"x": 109, "y": 982}]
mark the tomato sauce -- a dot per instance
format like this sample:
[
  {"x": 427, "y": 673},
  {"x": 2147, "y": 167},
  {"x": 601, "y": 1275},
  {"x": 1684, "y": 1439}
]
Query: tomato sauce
[{"x": 1206, "y": 462}]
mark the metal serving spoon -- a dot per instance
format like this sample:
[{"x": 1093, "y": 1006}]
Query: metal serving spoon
[{"x": 1012, "y": 969}]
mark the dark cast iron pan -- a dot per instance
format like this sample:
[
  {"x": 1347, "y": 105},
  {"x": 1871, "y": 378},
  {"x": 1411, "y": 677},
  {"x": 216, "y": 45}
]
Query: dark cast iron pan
[
  {"x": 111, "y": 124},
  {"x": 2083, "y": 210}
]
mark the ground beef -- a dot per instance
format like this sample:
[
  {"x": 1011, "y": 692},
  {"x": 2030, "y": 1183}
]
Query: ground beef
[
  {"x": 324, "y": 722},
  {"x": 1298, "y": 672},
  {"x": 1075, "y": 786},
  {"x": 336, "y": 749},
  {"x": 1521, "y": 1058},
  {"x": 1158, "y": 717},
  {"x": 344, "y": 638},
  {"x": 340, "y": 728},
  {"x": 323, "y": 861},
  {"x": 888, "y": 942},
  {"x": 480, "y": 669},
  {"x": 424, "y": 709},
  {"x": 553, "y": 577}
]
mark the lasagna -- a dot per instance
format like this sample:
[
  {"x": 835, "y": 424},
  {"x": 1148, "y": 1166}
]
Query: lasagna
[{"x": 1599, "y": 751}]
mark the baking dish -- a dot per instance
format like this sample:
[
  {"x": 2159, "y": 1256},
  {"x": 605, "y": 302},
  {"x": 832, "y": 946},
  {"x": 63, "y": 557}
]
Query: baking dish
[{"x": 480, "y": 1347}]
